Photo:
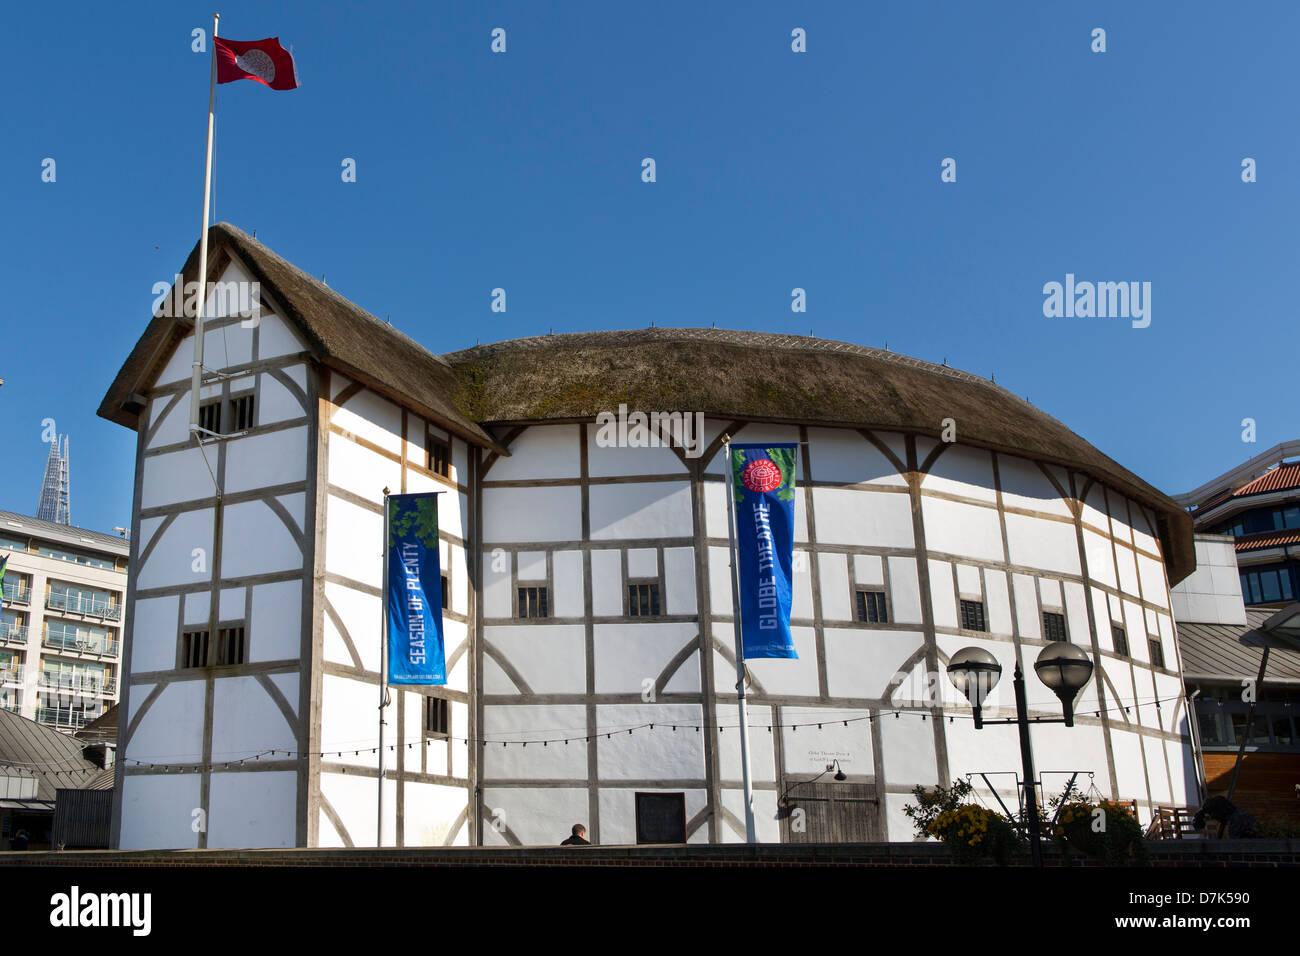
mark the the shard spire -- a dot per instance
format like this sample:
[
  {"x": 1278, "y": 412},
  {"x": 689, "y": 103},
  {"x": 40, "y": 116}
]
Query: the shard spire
[{"x": 54, "y": 504}]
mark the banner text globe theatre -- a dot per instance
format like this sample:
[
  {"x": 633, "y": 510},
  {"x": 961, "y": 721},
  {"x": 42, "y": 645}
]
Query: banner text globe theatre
[{"x": 588, "y": 609}]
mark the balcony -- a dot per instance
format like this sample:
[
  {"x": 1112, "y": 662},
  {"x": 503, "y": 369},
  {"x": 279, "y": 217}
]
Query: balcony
[
  {"x": 77, "y": 604},
  {"x": 16, "y": 594},
  {"x": 12, "y": 702},
  {"x": 78, "y": 684},
  {"x": 12, "y": 675},
  {"x": 13, "y": 634},
  {"x": 63, "y": 719},
  {"x": 101, "y": 647}
]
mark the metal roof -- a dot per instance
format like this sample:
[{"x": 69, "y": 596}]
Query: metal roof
[
  {"x": 54, "y": 757},
  {"x": 1232, "y": 651},
  {"x": 11, "y": 522}
]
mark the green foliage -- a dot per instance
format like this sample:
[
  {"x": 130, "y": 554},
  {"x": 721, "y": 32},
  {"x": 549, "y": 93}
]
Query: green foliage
[
  {"x": 1104, "y": 830},
  {"x": 422, "y": 514},
  {"x": 1276, "y": 829},
  {"x": 971, "y": 832},
  {"x": 931, "y": 803}
]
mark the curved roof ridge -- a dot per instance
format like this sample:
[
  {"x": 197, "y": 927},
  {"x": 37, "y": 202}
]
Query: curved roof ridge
[{"x": 781, "y": 340}]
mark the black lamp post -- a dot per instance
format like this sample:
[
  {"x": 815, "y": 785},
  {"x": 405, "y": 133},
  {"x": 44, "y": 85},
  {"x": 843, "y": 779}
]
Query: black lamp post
[{"x": 1061, "y": 666}]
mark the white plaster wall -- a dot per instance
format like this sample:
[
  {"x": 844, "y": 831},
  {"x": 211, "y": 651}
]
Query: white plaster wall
[
  {"x": 177, "y": 476},
  {"x": 350, "y": 721},
  {"x": 253, "y": 809},
  {"x": 1039, "y": 543},
  {"x": 532, "y": 514},
  {"x": 542, "y": 451},
  {"x": 642, "y": 510},
  {"x": 567, "y": 601},
  {"x": 157, "y": 811},
  {"x": 361, "y": 471},
  {"x": 679, "y": 581},
  {"x": 629, "y": 756},
  {"x": 171, "y": 730},
  {"x": 953, "y": 527},
  {"x": 354, "y": 542},
  {"x": 833, "y": 572},
  {"x": 860, "y": 661},
  {"x": 153, "y": 635},
  {"x": 726, "y": 741},
  {"x": 368, "y": 416},
  {"x": 536, "y": 817},
  {"x": 275, "y": 338},
  {"x": 359, "y": 613},
  {"x": 276, "y": 401},
  {"x": 767, "y": 825},
  {"x": 905, "y": 590},
  {"x": 846, "y": 516},
  {"x": 607, "y": 583},
  {"x": 429, "y": 813},
  {"x": 246, "y": 721},
  {"x": 254, "y": 540},
  {"x": 629, "y": 655},
  {"x": 848, "y": 458},
  {"x": 808, "y": 750},
  {"x": 549, "y": 657},
  {"x": 275, "y": 631},
  {"x": 1025, "y": 486},
  {"x": 537, "y": 722},
  {"x": 962, "y": 471}
]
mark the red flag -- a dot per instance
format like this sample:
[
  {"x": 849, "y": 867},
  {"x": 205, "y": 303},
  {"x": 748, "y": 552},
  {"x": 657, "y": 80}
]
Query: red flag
[{"x": 262, "y": 60}]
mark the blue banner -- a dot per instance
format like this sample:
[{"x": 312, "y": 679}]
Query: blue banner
[
  {"x": 763, "y": 484},
  {"x": 415, "y": 648}
]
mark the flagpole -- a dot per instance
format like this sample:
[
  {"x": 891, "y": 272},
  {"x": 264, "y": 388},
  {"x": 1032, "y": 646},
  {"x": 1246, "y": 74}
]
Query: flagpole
[
  {"x": 738, "y": 627},
  {"x": 197, "y": 371},
  {"x": 383, "y": 677}
]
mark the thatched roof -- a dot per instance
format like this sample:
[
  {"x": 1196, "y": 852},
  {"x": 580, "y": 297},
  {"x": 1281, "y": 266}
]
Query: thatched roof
[
  {"x": 339, "y": 333},
  {"x": 741, "y": 375},
  {"x": 757, "y": 376}
]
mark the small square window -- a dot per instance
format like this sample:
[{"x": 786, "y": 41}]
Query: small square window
[
  {"x": 241, "y": 414},
  {"x": 210, "y": 416},
  {"x": 437, "y": 717},
  {"x": 972, "y": 615},
  {"x": 1119, "y": 639},
  {"x": 871, "y": 607},
  {"x": 1157, "y": 652},
  {"x": 1054, "y": 626},
  {"x": 643, "y": 600},
  {"x": 439, "y": 458},
  {"x": 231, "y": 646},
  {"x": 532, "y": 603},
  {"x": 194, "y": 649}
]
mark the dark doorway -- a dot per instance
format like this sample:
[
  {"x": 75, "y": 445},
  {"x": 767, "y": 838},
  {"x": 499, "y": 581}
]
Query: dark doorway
[{"x": 661, "y": 818}]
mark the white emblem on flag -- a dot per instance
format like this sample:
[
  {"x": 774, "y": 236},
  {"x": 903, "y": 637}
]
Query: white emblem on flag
[{"x": 257, "y": 63}]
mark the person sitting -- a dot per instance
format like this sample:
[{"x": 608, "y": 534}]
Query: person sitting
[{"x": 1222, "y": 819}]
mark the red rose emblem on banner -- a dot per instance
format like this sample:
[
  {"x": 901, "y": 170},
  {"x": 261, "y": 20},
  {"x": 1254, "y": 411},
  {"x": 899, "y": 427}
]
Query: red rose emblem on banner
[{"x": 761, "y": 475}]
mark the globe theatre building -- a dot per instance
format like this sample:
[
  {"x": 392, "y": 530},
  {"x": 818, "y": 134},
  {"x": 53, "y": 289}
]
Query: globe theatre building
[{"x": 588, "y": 605}]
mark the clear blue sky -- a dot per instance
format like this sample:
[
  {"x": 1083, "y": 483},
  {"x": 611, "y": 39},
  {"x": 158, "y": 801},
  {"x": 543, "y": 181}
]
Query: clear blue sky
[{"x": 775, "y": 170}]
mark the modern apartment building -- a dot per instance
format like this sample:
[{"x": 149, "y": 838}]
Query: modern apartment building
[
  {"x": 1258, "y": 504},
  {"x": 62, "y": 619}
]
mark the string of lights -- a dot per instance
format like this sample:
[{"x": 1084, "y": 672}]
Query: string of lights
[{"x": 484, "y": 742}]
